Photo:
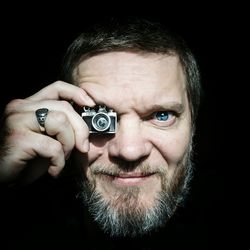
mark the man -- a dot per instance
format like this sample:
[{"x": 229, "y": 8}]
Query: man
[{"x": 133, "y": 174}]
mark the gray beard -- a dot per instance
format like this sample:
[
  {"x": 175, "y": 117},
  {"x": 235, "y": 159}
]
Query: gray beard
[{"x": 129, "y": 219}]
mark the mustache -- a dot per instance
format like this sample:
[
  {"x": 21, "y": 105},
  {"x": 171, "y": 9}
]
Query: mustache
[{"x": 116, "y": 169}]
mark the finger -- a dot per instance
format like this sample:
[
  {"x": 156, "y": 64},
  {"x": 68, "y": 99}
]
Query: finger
[
  {"x": 28, "y": 145},
  {"x": 69, "y": 128},
  {"x": 81, "y": 130},
  {"x": 48, "y": 147},
  {"x": 58, "y": 125},
  {"x": 62, "y": 90}
]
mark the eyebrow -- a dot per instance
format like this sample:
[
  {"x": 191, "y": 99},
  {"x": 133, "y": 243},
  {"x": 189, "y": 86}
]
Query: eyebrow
[{"x": 175, "y": 106}]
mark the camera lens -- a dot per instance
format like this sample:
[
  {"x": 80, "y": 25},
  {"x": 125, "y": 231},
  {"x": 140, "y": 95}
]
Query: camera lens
[{"x": 101, "y": 122}]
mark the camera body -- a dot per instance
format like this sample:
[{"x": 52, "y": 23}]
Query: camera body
[{"x": 100, "y": 119}]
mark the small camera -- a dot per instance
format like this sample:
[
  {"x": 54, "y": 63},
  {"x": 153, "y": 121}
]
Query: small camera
[{"x": 100, "y": 119}]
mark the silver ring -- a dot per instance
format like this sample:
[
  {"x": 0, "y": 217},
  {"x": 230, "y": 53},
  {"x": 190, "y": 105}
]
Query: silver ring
[{"x": 41, "y": 115}]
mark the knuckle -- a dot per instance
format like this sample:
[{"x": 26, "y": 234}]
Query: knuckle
[
  {"x": 16, "y": 137},
  {"x": 66, "y": 105},
  {"x": 58, "y": 83},
  {"x": 60, "y": 117},
  {"x": 55, "y": 147},
  {"x": 12, "y": 106},
  {"x": 12, "y": 121}
]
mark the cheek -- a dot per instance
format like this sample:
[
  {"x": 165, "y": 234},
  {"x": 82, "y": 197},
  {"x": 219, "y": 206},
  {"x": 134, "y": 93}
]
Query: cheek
[
  {"x": 94, "y": 153},
  {"x": 172, "y": 145},
  {"x": 98, "y": 145}
]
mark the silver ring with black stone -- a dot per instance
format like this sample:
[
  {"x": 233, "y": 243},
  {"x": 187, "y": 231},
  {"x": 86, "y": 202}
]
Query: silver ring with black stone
[{"x": 41, "y": 115}]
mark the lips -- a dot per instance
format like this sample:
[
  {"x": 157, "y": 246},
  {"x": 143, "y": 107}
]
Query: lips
[
  {"x": 130, "y": 179},
  {"x": 133, "y": 175}
]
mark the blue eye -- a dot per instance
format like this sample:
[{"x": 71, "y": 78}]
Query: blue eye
[{"x": 162, "y": 115}]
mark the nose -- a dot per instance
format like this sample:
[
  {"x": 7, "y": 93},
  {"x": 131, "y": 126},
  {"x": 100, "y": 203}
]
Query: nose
[{"x": 129, "y": 143}]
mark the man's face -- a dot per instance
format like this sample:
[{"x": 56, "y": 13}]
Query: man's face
[{"x": 138, "y": 174}]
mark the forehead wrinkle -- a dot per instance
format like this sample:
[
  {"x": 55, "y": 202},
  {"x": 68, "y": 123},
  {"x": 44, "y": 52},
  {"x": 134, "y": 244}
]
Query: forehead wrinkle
[
  {"x": 120, "y": 98},
  {"x": 129, "y": 100},
  {"x": 137, "y": 96},
  {"x": 132, "y": 82},
  {"x": 128, "y": 65}
]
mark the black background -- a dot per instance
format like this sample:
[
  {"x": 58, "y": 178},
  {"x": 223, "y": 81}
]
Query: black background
[{"x": 32, "y": 46}]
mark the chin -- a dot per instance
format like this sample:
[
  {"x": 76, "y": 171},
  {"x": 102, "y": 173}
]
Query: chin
[
  {"x": 131, "y": 208},
  {"x": 129, "y": 195},
  {"x": 128, "y": 211}
]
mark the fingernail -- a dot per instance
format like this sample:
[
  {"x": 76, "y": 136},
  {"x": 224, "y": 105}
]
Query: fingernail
[
  {"x": 89, "y": 101},
  {"x": 86, "y": 146}
]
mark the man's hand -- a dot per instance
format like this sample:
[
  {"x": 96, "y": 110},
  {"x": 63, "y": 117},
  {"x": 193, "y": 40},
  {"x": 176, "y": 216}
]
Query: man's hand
[{"x": 23, "y": 141}]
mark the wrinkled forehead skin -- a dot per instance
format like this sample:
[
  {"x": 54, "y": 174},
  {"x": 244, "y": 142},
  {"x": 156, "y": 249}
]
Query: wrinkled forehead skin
[{"x": 142, "y": 78}]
